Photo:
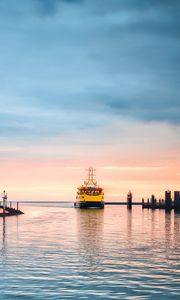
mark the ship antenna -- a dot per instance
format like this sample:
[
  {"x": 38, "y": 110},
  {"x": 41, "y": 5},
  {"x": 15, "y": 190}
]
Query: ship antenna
[{"x": 91, "y": 180}]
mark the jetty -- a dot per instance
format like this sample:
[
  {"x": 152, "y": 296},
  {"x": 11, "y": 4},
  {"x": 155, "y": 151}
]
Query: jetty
[
  {"x": 8, "y": 210},
  {"x": 122, "y": 203},
  {"x": 168, "y": 203}
]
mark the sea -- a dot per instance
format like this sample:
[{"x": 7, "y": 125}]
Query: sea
[{"x": 56, "y": 251}]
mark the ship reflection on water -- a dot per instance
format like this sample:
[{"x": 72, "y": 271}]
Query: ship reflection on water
[{"x": 90, "y": 237}]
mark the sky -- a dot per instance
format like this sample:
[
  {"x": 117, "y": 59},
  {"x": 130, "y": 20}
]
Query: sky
[{"x": 89, "y": 83}]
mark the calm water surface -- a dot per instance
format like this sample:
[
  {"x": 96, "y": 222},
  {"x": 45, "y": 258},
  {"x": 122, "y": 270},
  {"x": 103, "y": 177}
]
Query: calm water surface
[{"x": 56, "y": 252}]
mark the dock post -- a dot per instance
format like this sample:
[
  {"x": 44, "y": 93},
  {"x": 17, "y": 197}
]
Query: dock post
[
  {"x": 168, "y": 200},
  {"x": 177, "y": 201},
  {"x": 142, "y": 202},
  {"x": 148, "y": 205},
  {"x": 160, "y": 204},
  {"x": 129, "y": 200},
  {"x": 10, "y": 204},
  {"x": 153, "y": 202},
  {"x": 17, "y": 205}
]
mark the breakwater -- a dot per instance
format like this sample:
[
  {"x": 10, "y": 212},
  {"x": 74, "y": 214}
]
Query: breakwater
[
  {"x": 168, "y": 203},
  {"x": 8, "y": 210}
]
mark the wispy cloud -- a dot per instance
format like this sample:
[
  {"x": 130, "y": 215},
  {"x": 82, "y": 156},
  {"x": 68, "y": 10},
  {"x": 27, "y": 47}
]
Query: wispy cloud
[{"x": 132, "y": 168}]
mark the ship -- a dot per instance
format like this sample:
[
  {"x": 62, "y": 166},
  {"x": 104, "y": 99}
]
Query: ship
[{"x": 90, "y": 195}]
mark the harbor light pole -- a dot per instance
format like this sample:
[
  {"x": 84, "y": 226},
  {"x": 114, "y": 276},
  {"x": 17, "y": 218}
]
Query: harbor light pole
[{"x": 4, "y": 197}]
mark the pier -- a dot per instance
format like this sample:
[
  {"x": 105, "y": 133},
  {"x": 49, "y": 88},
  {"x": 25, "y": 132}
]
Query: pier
[
  {"x": 8, "y": 210},
  {"x": 168, "y": 203},
  {"x": 122, "y": 203},
  {"x": 129, "y": 201},
  {"x": 152, "y": 203}
]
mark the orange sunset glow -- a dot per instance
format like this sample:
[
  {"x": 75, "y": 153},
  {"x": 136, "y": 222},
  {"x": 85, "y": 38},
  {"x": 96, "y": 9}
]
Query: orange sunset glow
[{"x": 53, "y": 171}]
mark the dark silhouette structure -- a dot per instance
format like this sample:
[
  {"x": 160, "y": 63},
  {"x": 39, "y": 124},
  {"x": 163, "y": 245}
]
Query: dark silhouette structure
[
  {"x": 177, "y": 201},
  {"x": 168, "y": 200}
]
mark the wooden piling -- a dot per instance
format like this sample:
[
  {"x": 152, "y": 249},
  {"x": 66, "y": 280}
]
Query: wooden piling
[
  {"x": 143, "y": 203},
  {"x": 168, "y": 200},
  {"x": 160, "y": 204},
  {"x": 148, "y": 206},
  {"x": 129, "y": 200},
  {"x": 153, "y": 202},
  {"x": 177, "y": 201}
]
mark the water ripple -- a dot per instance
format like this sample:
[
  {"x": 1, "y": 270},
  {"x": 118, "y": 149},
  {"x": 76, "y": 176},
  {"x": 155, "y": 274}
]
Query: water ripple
[{"x": 55, "y": 252}]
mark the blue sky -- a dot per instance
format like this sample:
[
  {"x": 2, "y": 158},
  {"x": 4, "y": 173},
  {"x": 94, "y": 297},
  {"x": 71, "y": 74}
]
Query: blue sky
[{"x": 88, "y": 76}]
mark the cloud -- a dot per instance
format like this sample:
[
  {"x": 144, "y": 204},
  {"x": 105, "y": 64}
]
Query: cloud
[
  {"x": 50, "y": 7},
  {"x": 132, "y": 168},
  {"x": 80, "y": 64}
]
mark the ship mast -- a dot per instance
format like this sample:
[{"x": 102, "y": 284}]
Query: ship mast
[{"x": 91, "y": 180}]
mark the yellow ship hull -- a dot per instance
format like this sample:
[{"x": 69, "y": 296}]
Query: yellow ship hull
[{"x": 89, "y": 201}]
